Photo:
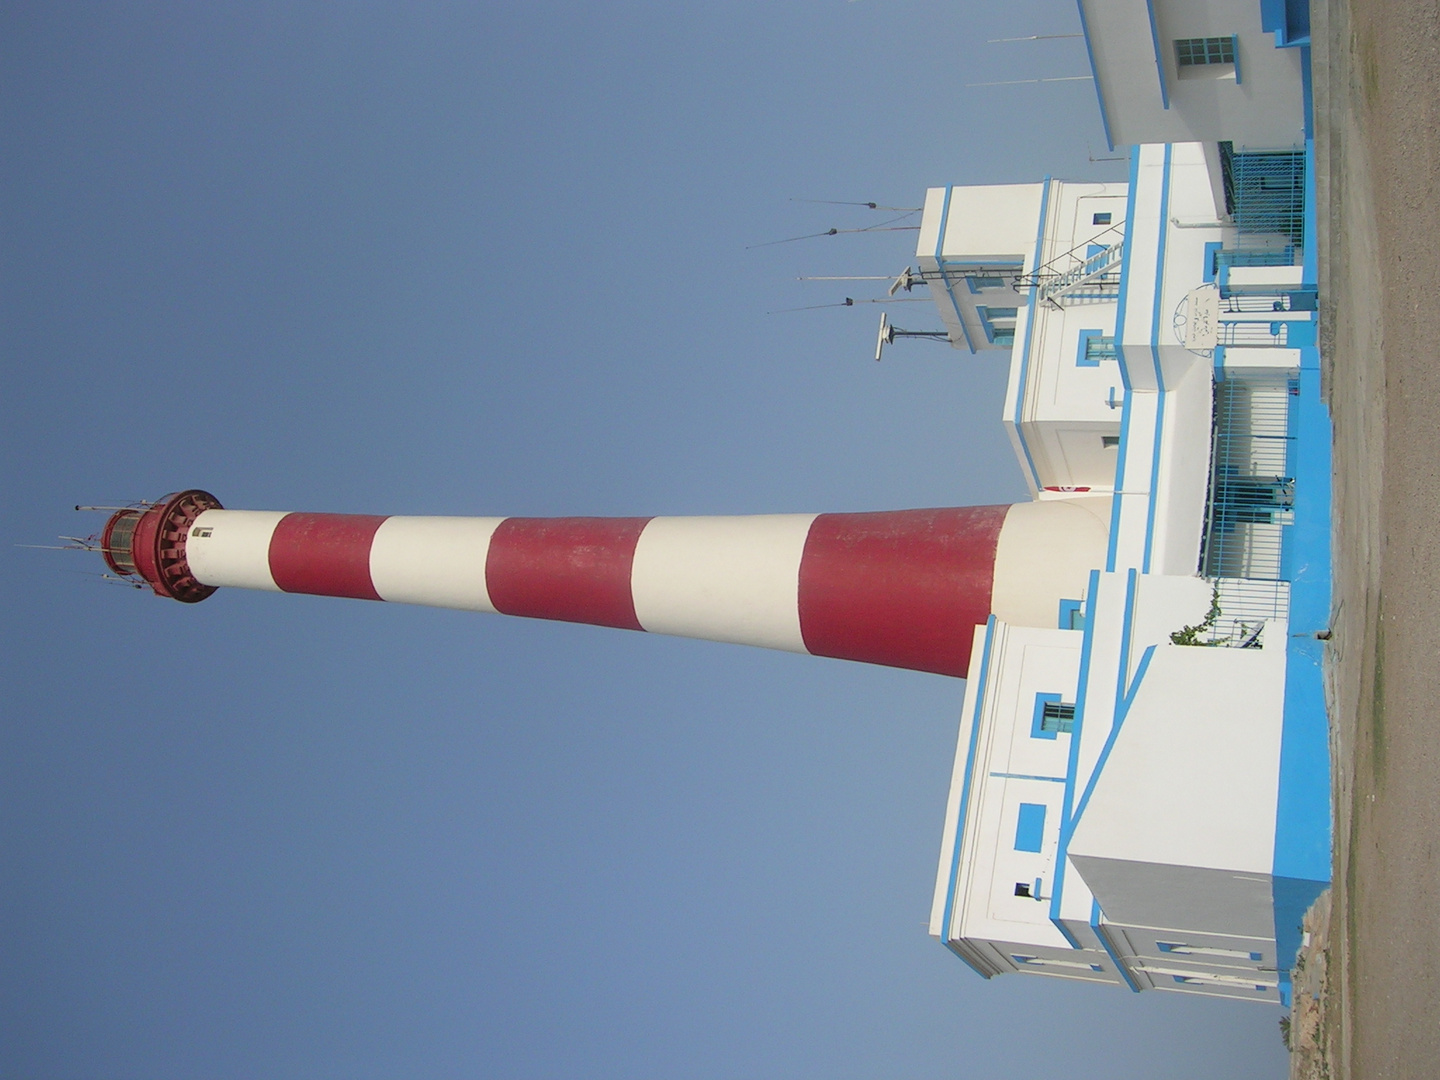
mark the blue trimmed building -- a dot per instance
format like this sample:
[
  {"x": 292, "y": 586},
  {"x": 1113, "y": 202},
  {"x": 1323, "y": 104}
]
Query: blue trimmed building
[{"x": 1141, "y": 793}]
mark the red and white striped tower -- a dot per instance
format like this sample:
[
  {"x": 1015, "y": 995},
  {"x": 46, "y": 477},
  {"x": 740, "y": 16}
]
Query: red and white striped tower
[{"x": 903, "y": 588}]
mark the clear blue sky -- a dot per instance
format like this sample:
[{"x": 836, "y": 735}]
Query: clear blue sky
[{"x": 490, "y": 258}]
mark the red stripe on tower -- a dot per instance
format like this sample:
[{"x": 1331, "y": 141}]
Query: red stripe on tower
[
  {"x": 903, "y": 588},
  {"x": 571, "y": 569},
  {"x": 324, "y": 554}
]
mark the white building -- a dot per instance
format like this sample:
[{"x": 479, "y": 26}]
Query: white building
[
  {"x": 1182, "y": 71},
  {"x": 1126, "y": 808}
]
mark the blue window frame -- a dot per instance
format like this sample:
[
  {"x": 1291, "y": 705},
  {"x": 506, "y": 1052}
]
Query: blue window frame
[
  {"x": 1030, "y": 828},
  {"x": 1094, "y": 346},
  {"x": 1051, "y": 717},
  {"x": 1100, "y": 219}
]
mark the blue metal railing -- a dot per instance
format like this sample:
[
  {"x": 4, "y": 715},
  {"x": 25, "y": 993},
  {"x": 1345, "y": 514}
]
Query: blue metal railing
[
  {"x": 1265, "y": 190},
  {"x": 1252, "y": 489}
]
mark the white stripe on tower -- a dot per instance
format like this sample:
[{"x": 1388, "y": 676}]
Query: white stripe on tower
[
  {"x": 232, "y": 547},
  {"x": 437, "y": 561},
  {"x": 731, "y": 579}
]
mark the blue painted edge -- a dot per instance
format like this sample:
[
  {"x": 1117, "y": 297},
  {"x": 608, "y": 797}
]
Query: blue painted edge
[
  {"x": 1120, "y": 308},
  {"x": 965, "y": 789},
  {"x": 1112, "y": 548},
  {"x": 1109, "y": 948},
  {"x": 1235, "y": 51},
  {"x": 1125, "y": 696},
  {"x": 1122, "y": 304},
  {"x": 1210, "y": 250},
  {"x": 1159, "y": 59},
  {"x": 1095, "y": 73},
  {"x": 1127, "y": 629},
  {"x": 1154, "y": 496},
  {"x": 1072, "y": 766},
  {"x": 1307, "y": 93},
  {"x": 1081, "y": 359},
  {"x": 1160, "y": 267},
  {"x": 1303, "y": 830},
  {"x": 944, "y": 222},
  {"x": 1029, "y": 333},
  {"x": 940, "y": 264},
  {"x": 1154, "y": 482},
  {"x": 1310, "y": 262},
  {"x": 1026, "y": 776}
]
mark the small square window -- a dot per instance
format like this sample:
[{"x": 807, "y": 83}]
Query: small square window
[
  {"x": 1195, "y": 52},
  {"x": 1094, "y": 346},
  {"x": 1100, "y": 219},
  {"x": 1022, "y": 888},
  {"x": 1051, "y": 717},
  {"x": 985, "y": 282},
  {"x": 1110, "y": 442}
]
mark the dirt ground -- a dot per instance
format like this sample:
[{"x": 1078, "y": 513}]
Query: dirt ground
[{"x": 1377, "y": 106}]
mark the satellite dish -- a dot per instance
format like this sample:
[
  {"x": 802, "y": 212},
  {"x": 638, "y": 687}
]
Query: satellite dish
[
  {"x": 905, "y": 281},
  {"x": 885, "y": 337}
]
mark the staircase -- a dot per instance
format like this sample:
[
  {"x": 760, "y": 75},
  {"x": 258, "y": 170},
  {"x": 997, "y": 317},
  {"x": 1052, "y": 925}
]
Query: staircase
[{"x": 1091, "y": 270}]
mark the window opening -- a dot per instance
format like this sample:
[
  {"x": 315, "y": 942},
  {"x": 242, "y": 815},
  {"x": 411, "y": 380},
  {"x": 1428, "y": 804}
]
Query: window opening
[
  {"x": 1095, "y": 346},
  {"x": 1057, "y": 716},
  {"x": 1196, "y": 52},
  {"x": 1100, "y": 219},
  {"x": 1109, "y": 442},
  {"x": 1052, "y": 717},
  {"x": 1003, "y": 335}
]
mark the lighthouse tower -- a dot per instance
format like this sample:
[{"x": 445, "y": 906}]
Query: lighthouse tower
[{"x": 903, "y": 588}]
